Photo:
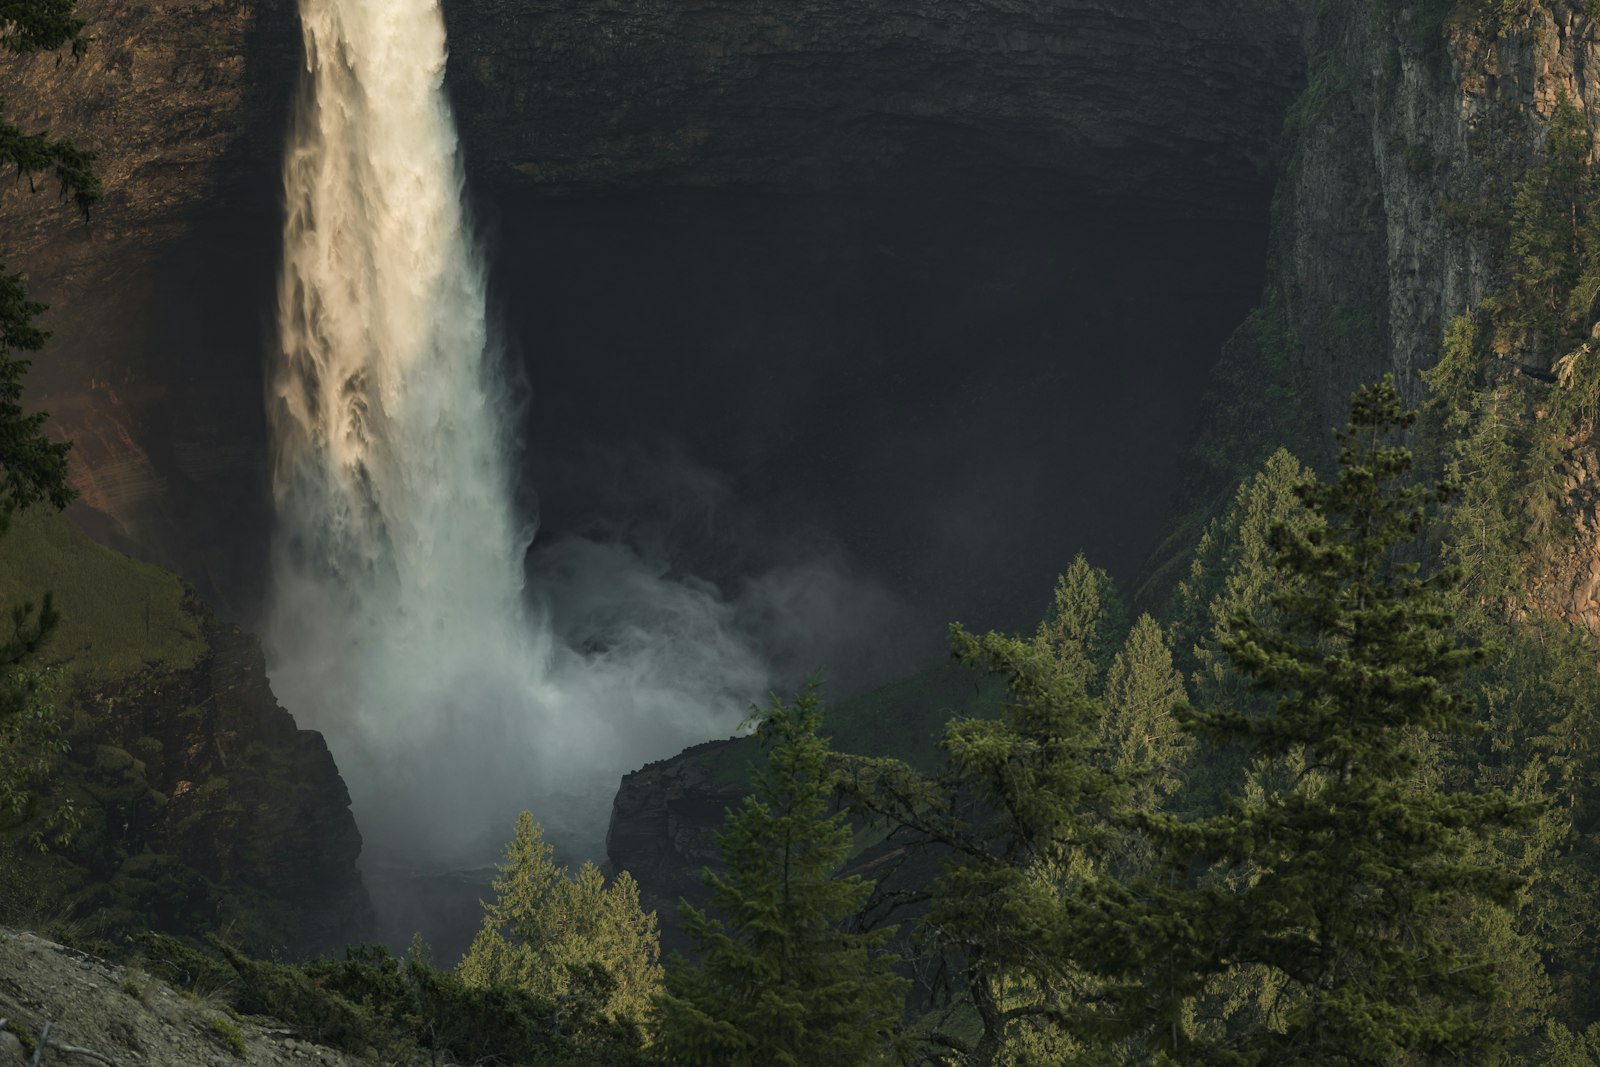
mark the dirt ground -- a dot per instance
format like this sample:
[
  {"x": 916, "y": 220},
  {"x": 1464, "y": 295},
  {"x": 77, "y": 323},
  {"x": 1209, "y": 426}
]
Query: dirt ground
[{"x": 103, "y": 1013}]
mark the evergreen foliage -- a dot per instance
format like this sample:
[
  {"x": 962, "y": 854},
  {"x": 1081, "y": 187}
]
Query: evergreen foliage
[
  {"x": 1552, "y": 236},
  {"x": 394, "y": 1010},
  {"x": 1233, "y": 573},
  {"x": 1085, "y": 622},
  {"x": 1356, "y": 868},
  {"x": 783, "y": 980},
  {"x": 545, "y": 932},
  {"x": 45, "y": 26},
  {"x": 1539, "y": 703},
  {"x": 32, "y": 739},
  {"x": 1143, "y": 691},
  {"x": 1234, "y": 565},
  {"x": 33, "y": 468},
  {"x": 1020, "y": 812}
]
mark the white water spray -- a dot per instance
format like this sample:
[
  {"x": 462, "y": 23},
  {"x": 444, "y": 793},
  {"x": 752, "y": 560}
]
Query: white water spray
[{"x": 400, "y": 626}]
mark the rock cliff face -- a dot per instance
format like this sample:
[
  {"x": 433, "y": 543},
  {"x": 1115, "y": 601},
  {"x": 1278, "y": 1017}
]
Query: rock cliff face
[
  {"x": 1173, "y": 106},
  {"x": 663, "y": 827},
  {"x": 202, "y": 805},
  {"x": 1391, "y": 218},
  {"x": 162, "y": 304},
  {"x": 1407, "y": 134},
  {"x": 211, "y": 773},
  {"x": 158, "y": 302}
]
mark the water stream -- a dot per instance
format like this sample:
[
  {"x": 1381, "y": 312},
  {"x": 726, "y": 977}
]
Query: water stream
[{"x": 399, "y": 625}]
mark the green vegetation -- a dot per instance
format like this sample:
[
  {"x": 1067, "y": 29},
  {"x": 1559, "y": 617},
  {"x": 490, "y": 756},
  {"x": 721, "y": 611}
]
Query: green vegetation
[
  {"x": 1356, "y": 865},
  {"x": 33, "y": 468},
  {"x": 1337, "y": 802},
  {"x": 1326, "y": 82},
  {"x": 1018, "y": 811},
  {"x": 549, "y": 934},
  {"x": 1327, "y": 886},
  {"x": 1517, "y": 382},
  {"x": 782, "y": 979},
  {"x": 110, "y": 619},
  {"x": 1256, "y": 405},
  {"x": 230, "y": 1036},
  {"x": 1333, "y": 805},
  {"x": 1142, "y": 691},
  {"x": 1085, "y": 621},
  {"x": 118, "y": 615},
  {"x": 403, "y": 1010}
]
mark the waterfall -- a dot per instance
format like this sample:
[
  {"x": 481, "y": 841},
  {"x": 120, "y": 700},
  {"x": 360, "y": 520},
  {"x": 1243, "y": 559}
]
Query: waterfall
[
  {"x": 399, "y": 620},
  {"x": 451, "y": 697}
]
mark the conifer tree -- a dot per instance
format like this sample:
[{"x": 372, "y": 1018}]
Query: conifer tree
[
  {"x": 545, "y": 931},
  {"x": 1143, "y": 692},
  {"x": 33, "y": 467},
  {"x": 1085, "y": 621},
  {"x": 783, "y": 981},
  {"x": 1356, "y": 868},
  {"x": 1020, "y": 813},
  {"x": 1234, "y": 568}
]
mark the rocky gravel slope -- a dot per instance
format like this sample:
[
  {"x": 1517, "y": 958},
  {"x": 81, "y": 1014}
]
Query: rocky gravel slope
[{"x": 100, "y": 1012}]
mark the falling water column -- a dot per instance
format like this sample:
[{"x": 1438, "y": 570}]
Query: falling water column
[{"x": 397, "y": 625}]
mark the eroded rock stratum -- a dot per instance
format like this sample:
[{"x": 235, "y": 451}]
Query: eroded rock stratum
[{"x": 161, "y": 305}]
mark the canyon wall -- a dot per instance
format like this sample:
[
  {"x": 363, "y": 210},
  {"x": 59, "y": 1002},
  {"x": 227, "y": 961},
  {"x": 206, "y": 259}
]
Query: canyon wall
[
  {"x": 1407, "y": 134},
  {"x": 1172, "y": 107},
  {"x": 1400, "y": 159},
  {"x": 1388, "y": 137},
  {"x": 161, "y": 303},
  {"x": 200, "y": 805},
  {"x": 1392, "y": 216}
]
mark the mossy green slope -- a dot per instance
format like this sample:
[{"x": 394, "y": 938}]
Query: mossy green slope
[
  {"x": 201, "y": 804},
  {"x": 117, "y": 615}
]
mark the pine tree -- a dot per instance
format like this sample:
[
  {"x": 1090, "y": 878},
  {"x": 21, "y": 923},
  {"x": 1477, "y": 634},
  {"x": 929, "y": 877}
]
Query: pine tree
[
  {"x": 1085, "y": 621},
  {"x": 605, "y": 926},
  {"x": 1547, "y": 241},
  {"x": 783, "y": 981},
  {"x": 520, "y": 922},
  {"x": 1233, "y": 570},
  {"x": 1233, "y": 573},
  {"x": 1356, "y": 868},
  {"x": 1020, "y": 814},
  {"x": 33, "y": 468},
  {"x": 546, "y": 933},
  {"x": 1143, "y": 692}
]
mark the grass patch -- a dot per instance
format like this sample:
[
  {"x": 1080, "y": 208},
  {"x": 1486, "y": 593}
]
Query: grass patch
[
  {"x": 230, "y": 1036},
  {"x": 117, "y": 614}
]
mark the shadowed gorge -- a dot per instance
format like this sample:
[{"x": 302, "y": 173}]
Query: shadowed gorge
[
  {"x": 801, "y": 531},
  {"x": 1006, "y": 223},
  {"x": 1081, "y": 128}
]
